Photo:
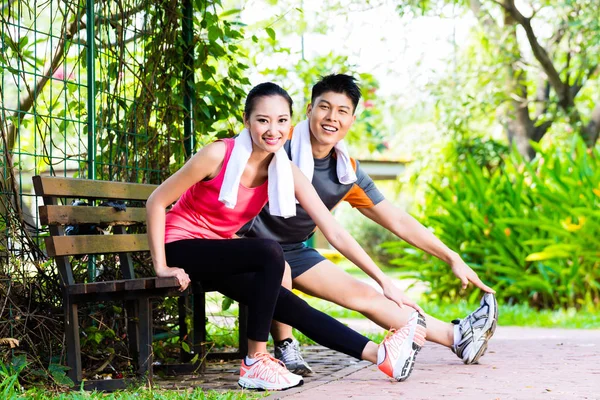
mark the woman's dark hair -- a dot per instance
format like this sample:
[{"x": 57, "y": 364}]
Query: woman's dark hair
[{"x": 265, "y": 90}]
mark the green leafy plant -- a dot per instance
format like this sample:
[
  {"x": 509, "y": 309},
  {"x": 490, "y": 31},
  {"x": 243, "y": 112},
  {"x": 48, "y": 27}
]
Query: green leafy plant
[
  {"x": 529, "y": 229},
  {"x": 59, "y": 374},
  {"x": 9, "y": 377}
]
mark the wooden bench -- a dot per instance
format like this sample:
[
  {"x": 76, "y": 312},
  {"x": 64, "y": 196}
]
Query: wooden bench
[{"x": 128, "y": 236}]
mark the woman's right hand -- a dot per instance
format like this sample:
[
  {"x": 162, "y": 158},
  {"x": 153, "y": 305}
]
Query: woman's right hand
[
  {"x": 398, "y": 296},
  {"x": 182, "y": 277}
]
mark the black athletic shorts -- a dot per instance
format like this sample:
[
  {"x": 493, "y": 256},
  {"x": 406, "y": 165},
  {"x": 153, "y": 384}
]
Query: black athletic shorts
[{"x": 301, "y": 257}]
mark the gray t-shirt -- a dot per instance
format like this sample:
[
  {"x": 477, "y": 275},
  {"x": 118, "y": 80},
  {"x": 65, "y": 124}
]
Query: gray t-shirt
[{"x": 361, "y": 194}]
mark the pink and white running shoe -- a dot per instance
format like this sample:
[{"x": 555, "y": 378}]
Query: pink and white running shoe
[
  {"x": 397, "y": 353},
  {"x": 267, "y": 373}
]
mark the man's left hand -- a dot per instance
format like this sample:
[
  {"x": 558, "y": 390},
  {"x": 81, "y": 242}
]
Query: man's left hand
[{"x": 467, "y": 275}]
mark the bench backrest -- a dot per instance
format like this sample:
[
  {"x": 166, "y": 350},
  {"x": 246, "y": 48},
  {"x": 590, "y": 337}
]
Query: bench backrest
[{"x": 57, "y": 217}]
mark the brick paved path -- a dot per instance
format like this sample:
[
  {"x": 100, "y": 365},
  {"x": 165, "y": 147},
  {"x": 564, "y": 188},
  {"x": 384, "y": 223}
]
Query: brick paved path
[
  {"x": 223, "y": 375},
  {"x": 521, "y": 363}
]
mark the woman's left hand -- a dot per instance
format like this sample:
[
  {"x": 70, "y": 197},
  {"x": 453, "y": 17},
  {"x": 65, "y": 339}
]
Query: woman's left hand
[
  {"x": 182, "y": 277},
  {"x": 398, "y": 296}
]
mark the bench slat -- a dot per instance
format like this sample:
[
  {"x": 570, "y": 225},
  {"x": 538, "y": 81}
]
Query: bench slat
[
  {"x": 124, "y": 285},
  {"x": 139, "y": 284},
  {"x": 73, "y": 215},
  {"x": 95, "y": 244},
  {"x": 88, "y": 189},
  {"x": 151, "y": 283},
  {"x": 97, "y": 287}
]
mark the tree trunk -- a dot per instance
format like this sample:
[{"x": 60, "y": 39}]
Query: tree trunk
[{"x": 520, "y": 127}]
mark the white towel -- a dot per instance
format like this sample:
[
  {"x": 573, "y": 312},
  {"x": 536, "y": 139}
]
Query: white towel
[
  {"x": 302, "y": 155},
  {"x": 281, "y": 181}
]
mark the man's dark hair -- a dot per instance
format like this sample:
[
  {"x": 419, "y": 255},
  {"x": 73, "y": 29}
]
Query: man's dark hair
[
  {"x": 266, "y": 89},
  {"x": 337, "y": 83}
]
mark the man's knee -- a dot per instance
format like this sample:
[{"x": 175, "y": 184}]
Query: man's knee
[
  {"x": 286, "y": 282},
  {"x": 361, "y": 297}
]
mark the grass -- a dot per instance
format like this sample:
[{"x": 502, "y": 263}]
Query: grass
[{"x": 137, "y": 394}]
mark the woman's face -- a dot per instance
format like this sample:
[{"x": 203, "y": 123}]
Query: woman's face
[{"x": 269, "y": 123}]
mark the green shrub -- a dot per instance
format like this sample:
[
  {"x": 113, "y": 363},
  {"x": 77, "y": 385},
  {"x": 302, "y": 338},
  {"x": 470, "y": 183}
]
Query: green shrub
[
  {"x": 370, "y": 235},
  {"x": 531, "y": 230},
  {"x": 10, "y": 386}
]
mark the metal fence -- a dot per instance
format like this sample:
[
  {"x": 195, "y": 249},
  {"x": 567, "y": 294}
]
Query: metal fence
[
  {"x": 106, "y": 90},
  {"x": 79, "y": 99}
]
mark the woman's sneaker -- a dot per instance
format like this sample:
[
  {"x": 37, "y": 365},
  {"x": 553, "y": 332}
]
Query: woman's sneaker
[
  {"x": 472, "y": 333},
  {"x": 267, "y": 373},
  {"x": 288, "y": 351},
  {"x": 397, "y": 353}
]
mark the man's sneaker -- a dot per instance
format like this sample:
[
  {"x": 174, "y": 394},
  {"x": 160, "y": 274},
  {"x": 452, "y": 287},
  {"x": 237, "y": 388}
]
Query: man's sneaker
[
  {"x": 472, "y": 333},
  {"x": 288, "y": 351},
  {"x": 397, "y": 353},
  {"x": 267, "y": 373}
]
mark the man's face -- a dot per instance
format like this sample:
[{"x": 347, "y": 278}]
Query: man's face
[{"x": 330, "y": 117}]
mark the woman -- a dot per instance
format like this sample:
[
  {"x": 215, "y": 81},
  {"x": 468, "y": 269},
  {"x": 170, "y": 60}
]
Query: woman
[{"x": 195, "y": 241}]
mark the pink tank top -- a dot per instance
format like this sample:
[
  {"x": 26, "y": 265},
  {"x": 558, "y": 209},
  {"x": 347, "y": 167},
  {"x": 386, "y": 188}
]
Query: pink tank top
[{"x": 199, "y": 214}]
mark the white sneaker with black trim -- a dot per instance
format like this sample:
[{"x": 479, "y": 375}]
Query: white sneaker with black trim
[
  {"x": 472, "y": 333},
  {"x": 288, "y": 351}
]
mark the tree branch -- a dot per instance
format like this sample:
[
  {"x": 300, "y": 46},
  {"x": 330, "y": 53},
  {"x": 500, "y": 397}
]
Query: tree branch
[
  {"x": 542, "y": 97},
  {"x": 582, "y": 78},
  {"x": 484, "y": 17},
  {"x": 556, "y": 38},
  {"x": 68, "y": 34},
  {"x": 541, "y": 55},
  {"x": 7, "y": 5},
  {"x": 27, "y": 101},
  {"x": 540, "y": 130},
  {"x": 520, "y": 126}
]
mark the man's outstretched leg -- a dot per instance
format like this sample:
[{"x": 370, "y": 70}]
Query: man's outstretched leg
[{"x": 467, "y": 337}]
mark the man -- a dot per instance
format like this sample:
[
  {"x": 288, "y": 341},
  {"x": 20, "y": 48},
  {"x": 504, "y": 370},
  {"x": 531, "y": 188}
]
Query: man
[{"x": 330, "y": 115}]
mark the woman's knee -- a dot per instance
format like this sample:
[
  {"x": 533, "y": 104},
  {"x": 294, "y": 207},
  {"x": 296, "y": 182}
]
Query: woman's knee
[
  {"x": 270, "y": 254},
  {"x": 290, "y": 303}
]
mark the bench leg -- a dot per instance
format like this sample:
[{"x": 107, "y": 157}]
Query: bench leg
[
  {"x": 145, "y": 337},
  {"x": 199, "y": 301},
  {"x": 72, "y": 338},
  {"x": 243, "y": 330},
  {"x": 182, "y": 303},
  {"x": 132, "y": 328}
]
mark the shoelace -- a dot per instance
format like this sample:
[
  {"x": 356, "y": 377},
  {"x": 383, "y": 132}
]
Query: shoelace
[
  {"x": 473, "y": 318},
  {"x": 290, "y": 353},
  {"x": 392, "y": 332},
  {"x": 468, "y": 323},
  {"x": 270, "y": 361}
]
